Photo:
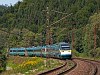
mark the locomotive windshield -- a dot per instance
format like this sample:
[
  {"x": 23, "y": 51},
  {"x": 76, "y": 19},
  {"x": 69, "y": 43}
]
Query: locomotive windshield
[{"x": 65, "y": 47}]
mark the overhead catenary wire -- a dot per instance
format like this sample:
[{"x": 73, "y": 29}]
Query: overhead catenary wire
[
  {"x": 56, "y": 12},
  {"x": 59, "y": 12},
  {"x": 60, "y": 19}
]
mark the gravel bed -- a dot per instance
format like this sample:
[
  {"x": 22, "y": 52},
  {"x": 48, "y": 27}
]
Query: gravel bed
[{"x": 82, "y": 68}]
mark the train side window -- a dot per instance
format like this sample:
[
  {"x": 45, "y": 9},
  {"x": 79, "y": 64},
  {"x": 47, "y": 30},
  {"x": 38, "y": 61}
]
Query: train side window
[
  {"x": 14, "y": 51},
  {"x": 21, "y": 50},
  {"x": 30, "y": 50}
]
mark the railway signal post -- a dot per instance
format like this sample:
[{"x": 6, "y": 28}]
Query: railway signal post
[{"x": 49, "y": 39}]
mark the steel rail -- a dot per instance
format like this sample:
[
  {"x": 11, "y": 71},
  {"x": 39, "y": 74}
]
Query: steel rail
[
  {"x": 52, "y": 70},
  {"x": 60, "y": 68},
  {"x": 66, "y": 71},
  {"x": 89, "y": 61}
]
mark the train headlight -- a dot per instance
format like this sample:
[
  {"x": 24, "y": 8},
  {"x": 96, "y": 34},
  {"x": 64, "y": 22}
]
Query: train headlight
[
  {"x": 69, "y": 50},
  {"x": 62, "y": 50}
]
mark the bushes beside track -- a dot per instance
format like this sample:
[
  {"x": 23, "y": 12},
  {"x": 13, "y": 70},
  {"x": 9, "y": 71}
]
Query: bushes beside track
[
  {"x": 92, "y": 54},
  {"x": 2, "y": 62},
  {"x": 95, "y": 53}
]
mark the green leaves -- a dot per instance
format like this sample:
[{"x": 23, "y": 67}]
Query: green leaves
[
  {"x": 27, "y": 21},
  {"x": 2, "y": 62}
]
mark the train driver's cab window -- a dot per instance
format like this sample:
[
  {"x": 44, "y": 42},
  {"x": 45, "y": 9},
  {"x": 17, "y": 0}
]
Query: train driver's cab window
[{"x": 65, "y": 47}]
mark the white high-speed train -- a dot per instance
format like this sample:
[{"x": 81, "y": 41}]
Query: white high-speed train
[{"x": 61, "y": 50}]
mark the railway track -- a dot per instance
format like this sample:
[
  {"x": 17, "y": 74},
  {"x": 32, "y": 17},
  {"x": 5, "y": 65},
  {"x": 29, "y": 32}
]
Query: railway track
[
  {"x": 80, "y": 67},
  {"x": 96, "y": 65},
  {"x": 68, "y": 69},
  {"x": 94, "y": 68},
  {"x": 85, "y": 67},
  {"x": 61, "y": 69}
]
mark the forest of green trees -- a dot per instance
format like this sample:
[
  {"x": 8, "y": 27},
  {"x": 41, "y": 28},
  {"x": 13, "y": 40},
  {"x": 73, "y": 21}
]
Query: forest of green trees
[{"x": 25, "y": 24}]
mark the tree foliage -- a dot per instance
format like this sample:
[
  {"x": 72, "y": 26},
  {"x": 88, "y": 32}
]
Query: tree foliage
[{"x": 26, "y": 23}]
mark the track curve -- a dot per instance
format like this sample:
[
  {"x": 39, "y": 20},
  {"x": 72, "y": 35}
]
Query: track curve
[
  {"x": 59, "y": 70},
  {"x": 98, "y": 67},
  {"x": 96, "y": 64},
  {"x": 85, "y": 67},
  {"x": 52, "y": 71},
  {"x": 81, "y": 67}
]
